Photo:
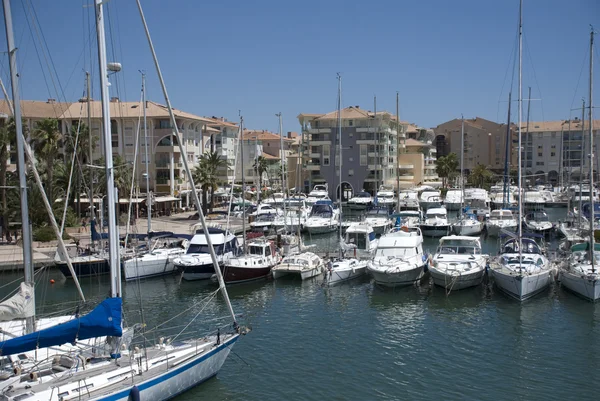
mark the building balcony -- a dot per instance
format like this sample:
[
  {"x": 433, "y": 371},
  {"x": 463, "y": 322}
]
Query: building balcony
[
  {"x": 406, "y": 177},
  {"x": 430, "y": 166},
  {"x": 319, "y": 143},
  {"x": 318, "y": 130},
  {"x": 406, "y": 166},
  {"x": 313, "y": 167},
  {"x": 315, "y": 155}
]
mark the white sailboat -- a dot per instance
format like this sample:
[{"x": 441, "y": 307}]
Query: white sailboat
[
  {"x": 580, "y": 274},
  {"x": 521, "y": 270}
]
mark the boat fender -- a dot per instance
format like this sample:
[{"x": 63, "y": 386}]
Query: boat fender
[{"x": 134, "y": 394}]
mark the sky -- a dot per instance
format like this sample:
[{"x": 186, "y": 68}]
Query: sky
[{"x": 219, "y": 58}]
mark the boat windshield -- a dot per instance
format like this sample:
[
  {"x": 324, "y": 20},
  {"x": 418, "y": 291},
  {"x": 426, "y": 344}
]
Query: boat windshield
[
  {"x": 321, "y": 211},
  {"x": 377, "y": 213},
  {"x": 436, "y": 215},
  {"x": 358, "y": 239},
  {"x": 256, "y": 250},
  {"x": 539, "y": 216},
  {"x": 398, "y": 252},
  {"x": 459, "y": 250},
  {"x": 363, "y": 195},
  {"x": 294, "y": 261},
  {"x": 263, "y": 218},
  {"x": 529, "y": 246}
]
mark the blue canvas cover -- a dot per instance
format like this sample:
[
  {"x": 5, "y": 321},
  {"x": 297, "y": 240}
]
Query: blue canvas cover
[{"x": 104, "y": 320}]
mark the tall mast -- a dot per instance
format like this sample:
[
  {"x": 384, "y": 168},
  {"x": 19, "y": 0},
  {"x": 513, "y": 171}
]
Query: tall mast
[
  {"x": 339, "y": 123},
  {"x": 25, "y": 227},
  {"x": 462, "y": 158},
  {"x": 91, "y": 149},
  {"x": 113, "y": 235},
  {"x": 377, "y": 153},
  {"x": 506, "y": 193},
  {"x": 527, "y": 138},
  {"x": 148, "y": 195},
  {"x": 283, "y": 177},
  {"x": 398, "y": 150},
  {"x": 591, "y": 150},
  {"x": 243, "y": 183},
  {"x": 581, "y": 163},
  {"x": 186, "y": 167},
  {"x": 519, "y": 103}
]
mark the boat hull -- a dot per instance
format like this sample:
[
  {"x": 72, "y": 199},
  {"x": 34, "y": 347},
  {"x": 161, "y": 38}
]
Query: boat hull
[
  {"x": 521, "y": 287},
  {"x": 303, "y": 274},
  {"x": 397, "y": 278},
  {"x": 236, "y": 274},
  {"x": 146, "y": 269},
  {"x": 336, "y": 276},
  {"x": 197, "y": 272},
  {"x": 452, "y": 205},
  {"x": 467, "y": 230},
  {"x": 94, "y": 267},
  {"x": 493, "y": 230},
  {"x": 321, "y": 229},
  {"x": 587, "y": 287},
  {"x": 453, "y": 280}
]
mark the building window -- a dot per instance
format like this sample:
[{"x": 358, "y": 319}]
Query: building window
[
  {"x": 363, "y": 155},
  {"x": 553, "y": 151},
  {"x": 326, "y": 153},
  {"x": 350, "y": 173},
  {"x": 539, "y": 164},
  {"x": 350, "y": 123},
  {"x": 553, "y": 135},
  {"x": 114, "y": 133}
]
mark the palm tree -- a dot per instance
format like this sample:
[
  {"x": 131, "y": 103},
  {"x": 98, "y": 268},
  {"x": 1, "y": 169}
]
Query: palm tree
[
  {"x": 46, "y": 141},
  {"x": 7, "y": 141},
  {"x": 480, "y": 176},
  {"x": 446, "y": 167},
  {"x": 206, "y": 175},
  {"x": 260, "y": 166}
]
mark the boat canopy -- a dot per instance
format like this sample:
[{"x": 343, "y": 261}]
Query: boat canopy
[
  {"x": 104, "y": 320},
  {"x": 529, "y": 246}
]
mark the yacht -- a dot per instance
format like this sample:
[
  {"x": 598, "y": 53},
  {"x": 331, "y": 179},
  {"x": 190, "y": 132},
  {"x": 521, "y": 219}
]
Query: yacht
[
  {"x": 340, "y": 270},
  {"x": 577, "y": 273},
  {"x": 454, "y": 199},
  {"x": 260, "y": 257},
  {"x": 360, "y": 201},
  {"x": 500, "y": 219},
  {"x": 408, "y": 218},
  {"x": 361, "y": 238},
  {"x": 467, "y": 225},
  {"x": 158, "y": 261},
  {"x": 276, "y": 199},
  {"x": 408, "y": 199},
  {"x": 386, "y": 197},
  {"x": 458, "y": 263},
  {"x": 305, "y": 265},
  {"x": 323, "y": 218},
  {"x": 571, "y": 230},
  {"x": 538, "y": 222},
  {"x": 86, "y": 262},
  {"x": 379, "y": 219},
  {"x": 196, "y": 263},
  {"x": 265, "y": 208},
  {"x": 435, "y": 223},
  {"x": 524, "y": 274},
  {"x": 430, "y": 199},
  {"x": 263, "y": 222},
  {"x": 319, "y": 192},
  {"x": 399, "y": 259},
  {"x": 533, "y": 200},
  {"x": 293, "y": 218},
  {"x": 497, "y": 200},
  {"x": 477, "y": 202}
]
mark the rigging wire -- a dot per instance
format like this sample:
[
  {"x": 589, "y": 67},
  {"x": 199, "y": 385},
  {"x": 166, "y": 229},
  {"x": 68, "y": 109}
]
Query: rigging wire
[{"x": 527, "y": 49}]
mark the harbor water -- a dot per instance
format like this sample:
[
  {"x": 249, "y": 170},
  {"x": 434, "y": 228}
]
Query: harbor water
[{"x": 356, "y": 341}]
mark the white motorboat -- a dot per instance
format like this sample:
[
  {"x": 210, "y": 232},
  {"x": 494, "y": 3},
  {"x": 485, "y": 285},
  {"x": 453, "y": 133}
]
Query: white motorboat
[
  {"x": 409, "y": 218},
  {"x": 341, "y": 270},
  {"x": 360, "y": 201},
  {"x": 467, "y": 225},
  {"x": 362, "y": 238},
  {"x": 408, "y": 199},
  {"x": 533, "y": 200},
  {"x": 477, "y": 202},
  {"x": 294, "y": 219},
  {"x": 458, "y": 263},
  {"x": 500, "y": 219},
  {"x": 498, "y": 199},
  {"x": 577, "y": 273},
  {"x": 399, "y": 259},
  {"x": 158, "y": 261},
  {"x": 379, "y": 219},
  {"x": 571, "y": 230},
  {"x": 323, "y": 218},
  {"x": 276, "y": 199},
  {"x": 453, "y": 200},
  {"x": 263, "y": 222},
  {"x": 430, "y": 200},
  {"x": 194, "y": 264},
  {"x": 304, "y": 265},
  {"x": 260, "y": 257},
  {"x": 266, "y": 208},
  {"x": 386, "y": 197},
  {"x": 524, "y": 274},
  {"x": 319, "y": 192},
  {"x": 538, "y": 222},
  {"x": 435, "y": 223}
]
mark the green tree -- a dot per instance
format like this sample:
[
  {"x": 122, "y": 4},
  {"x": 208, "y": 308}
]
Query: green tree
[
  {"x": 46, "y": 142},
  {"x": 446, "y": 167},
  {"x": 260, "y": 166},
  {"x": 7, "y": 142},
  {"x": 480, "y": 176},
  {"x": 206, "y": 175},
  {"x": 123, "y": 172}
]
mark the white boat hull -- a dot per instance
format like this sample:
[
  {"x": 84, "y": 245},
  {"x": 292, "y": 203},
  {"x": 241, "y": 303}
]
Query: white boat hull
[
  {"x": 396, "y": 277},
  {"x": 521, "y": 286},
  {"x": 303, "y": 274},
  {"x": 586, "y": 286},
  {"x": 148, "y": 268},
  {"x": 321, "y": 229},
  {"x": 493, "y": 230},
  {"x": 474, "y": 229},
  {"x": 336, "y": 276},
  {"x": 453, "y": 280}
]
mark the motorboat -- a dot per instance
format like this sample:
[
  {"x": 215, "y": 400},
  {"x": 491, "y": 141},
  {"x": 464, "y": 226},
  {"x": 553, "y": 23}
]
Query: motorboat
[
  {"x": 538, "y": 222},
  {"x": 500, "y": 219},
  {"x": 435, "y": 223},
  {"x": 458, "y": 263},
  {"x": 260, "y": 257},
  {"x": 409, "y": 218},
  {"x": 293, "y": 219},
  {"x": 408, "y": 199},
  {"x": 276, "y": 199},
  {"x": 577, "y": 273},
  {"x": 498, "y": 199},
  {"x": 319, "y": 192},
  {"x": 266, "y": 208},
  {"x": 399, "y": 259},
  {"x": 194, "y": 264},
  {"x": 453, "y": 200},
  {"x": 430, "y": 200},
  {"x": 304, "y": 265},
  {"x": 323, "y": 218},
  {"x": 533, "y": 200},
  {"x": 361, "y": 238},
  {"x": 378, "y": 218},
  {"x": 385, "y": 197},
  {"x": 521, "y": 274},
  {"x": 571, "y": 229},
  {"x": 263, "y": 222},
  {"x": 467, "y": 224},
  {"x": 360, "y": 201},
  {"x": 477, "y": 202},
  {"x": 340, "y": 270},
  {"x": 158, "y": 261}
]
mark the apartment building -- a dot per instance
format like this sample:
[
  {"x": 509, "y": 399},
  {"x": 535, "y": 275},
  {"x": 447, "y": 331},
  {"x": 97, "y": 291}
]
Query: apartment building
[
  {"x": 417, "y": 164},
  {"x": 370, "y": 143}
]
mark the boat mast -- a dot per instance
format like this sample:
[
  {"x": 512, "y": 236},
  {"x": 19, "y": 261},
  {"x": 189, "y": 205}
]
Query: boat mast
[
  {"x": 243, "y": 184},
  {"x": 462, "y": 157},
  {"x": 113, "y": 235},
  {"x": 283, "y": 178},
  {"x": 148, "y": 195},
  {"x": 519, "y": 103},
  {"x": 581, "y": 163},
  {"x": 25, "y": 227},
  {"x": 506, "y": 193},
  {"x": 591, "y": 150},
  {"x": 91, "y": 150},
  {"x": 398, "y": 150},
  {"x": 339, "y": 121},
  {"x": 186, "y": 167},
  {"x": 527, "y": 135}
]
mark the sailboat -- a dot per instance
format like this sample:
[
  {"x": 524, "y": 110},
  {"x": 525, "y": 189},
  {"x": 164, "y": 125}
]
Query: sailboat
[
  {"x": 522, "y": 269},
  {"x": 467, "y": 224},
  {"x": 579, "y": 274},
  {"x": 116, "y": 370},
  {"x": 343, "y": 268}
]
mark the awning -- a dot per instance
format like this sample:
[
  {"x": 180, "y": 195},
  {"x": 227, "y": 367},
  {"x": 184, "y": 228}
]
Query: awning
[
  {"x": 160, "y": 199},
  {"x": 87, "y": 200},
  {"x": 126, "y": 201}
]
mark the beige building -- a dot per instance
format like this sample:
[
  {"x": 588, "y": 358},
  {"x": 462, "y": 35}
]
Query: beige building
[{"x": 417, "y": 164}]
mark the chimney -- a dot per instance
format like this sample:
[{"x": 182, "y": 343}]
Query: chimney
[
  {"x": 114, "y": 99},
  {"x": 289, "y": 134},
  {"x": 51, "y": 101},
  {"x": 357, "y": 107}
]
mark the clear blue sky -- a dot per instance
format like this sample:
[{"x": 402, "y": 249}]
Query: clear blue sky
[{"x": 444, "y": 57}]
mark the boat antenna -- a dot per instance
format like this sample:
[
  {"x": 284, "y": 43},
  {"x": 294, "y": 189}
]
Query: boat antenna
[
  {"x": 243, "y": 184},
  {"x": 339, "y": 123},
  {"x": 591, "y": 122},
  {"x": 283, "y": 177},
  {"x": 506, "y": 193},
  {"x": 462, "y": 157}
]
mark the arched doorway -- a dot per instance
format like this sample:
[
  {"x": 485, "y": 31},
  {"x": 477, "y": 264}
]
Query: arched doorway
[
  {"x": 347, "y": 191},
  {"x": 553, "y": 177}
]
